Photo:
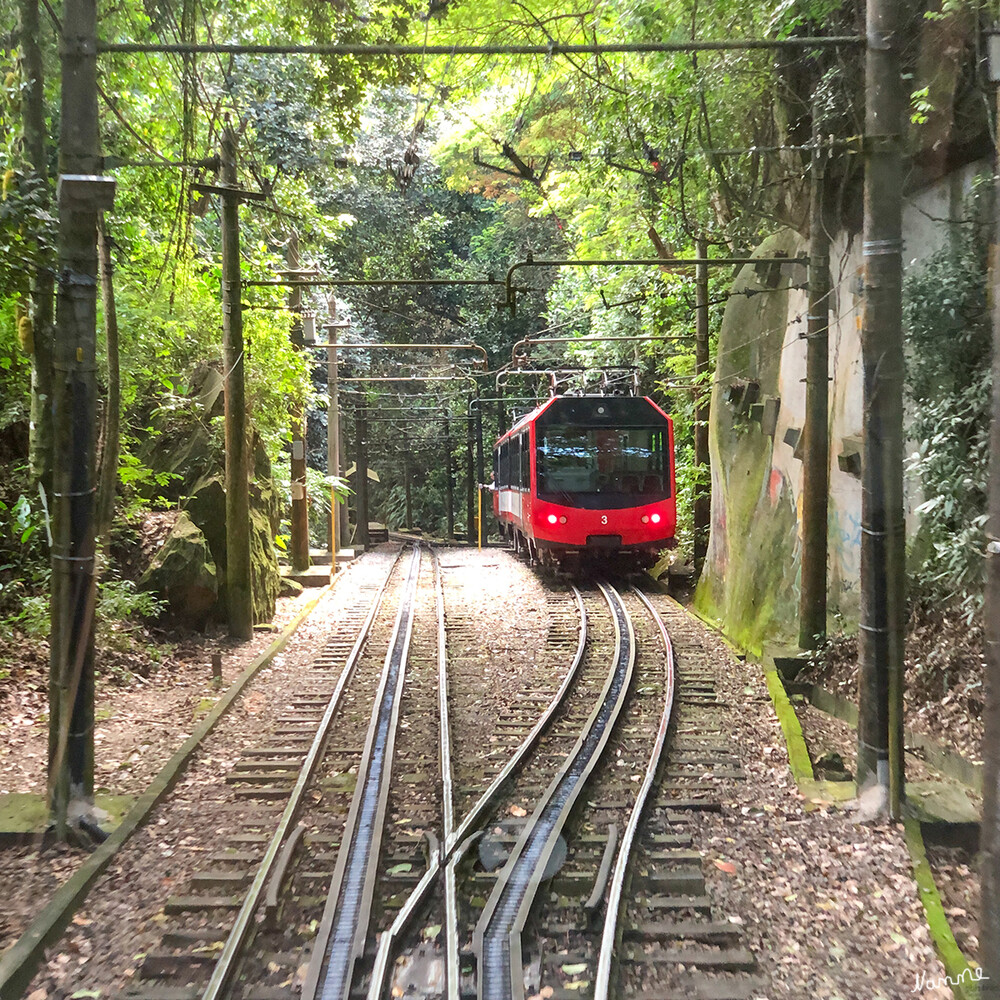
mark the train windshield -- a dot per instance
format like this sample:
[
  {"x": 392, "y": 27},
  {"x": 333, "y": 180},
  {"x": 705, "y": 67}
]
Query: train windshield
[{"x": 581, "y": 466}]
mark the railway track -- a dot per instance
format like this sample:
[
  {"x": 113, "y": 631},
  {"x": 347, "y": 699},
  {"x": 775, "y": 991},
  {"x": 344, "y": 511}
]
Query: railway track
[
  {"x": 626, "y": 911},
  {"x": 443, "y": 810}
]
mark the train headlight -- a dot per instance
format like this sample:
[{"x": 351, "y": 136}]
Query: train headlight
[
  {"x": 562, "y": 520},
  {"x": 655, "y": 518},
  {"x": 553, "y": 519},
  {"x": 645, "y": 519}
]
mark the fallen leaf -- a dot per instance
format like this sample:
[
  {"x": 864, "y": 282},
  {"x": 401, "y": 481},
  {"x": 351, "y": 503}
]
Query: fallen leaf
[
  {"x": 38, "y": 995},
  {"x": 518, "y": 811},
  {"x": 575, "y": 969},
  {"x": 400, "y": 869},
  {"x": 725, "y": 866}
]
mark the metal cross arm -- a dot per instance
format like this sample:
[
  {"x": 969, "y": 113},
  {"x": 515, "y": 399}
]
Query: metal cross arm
[
  {"x": 231, "y": 192},
  {"x": 511, "y": 302},
  {"x": 520, "y": 350},
  {"x": 369, "y": 283},
  {"x": 482, "y": 361}
]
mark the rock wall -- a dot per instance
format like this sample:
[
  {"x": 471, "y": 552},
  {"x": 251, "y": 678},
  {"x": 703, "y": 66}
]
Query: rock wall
[{"x": 750, "y": 583}]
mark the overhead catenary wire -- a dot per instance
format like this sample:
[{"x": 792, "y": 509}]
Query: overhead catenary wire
[{"x": 363, "y": 50}]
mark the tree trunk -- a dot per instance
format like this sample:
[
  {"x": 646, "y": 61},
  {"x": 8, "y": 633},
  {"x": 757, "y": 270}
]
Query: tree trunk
[
  {"x": 107, "y": 476},
  {"x": 42, "y": 282}
]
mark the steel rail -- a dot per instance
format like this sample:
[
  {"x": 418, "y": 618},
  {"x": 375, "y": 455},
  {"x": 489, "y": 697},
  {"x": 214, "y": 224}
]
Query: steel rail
[
  {"x": 497, "y": 940},
  {"x": 453, "y": 968},
  {"x": 475, "y": 814},
  {"x": 611, "y": 935},
  {"x": 387, "y": 941},
  {"x": 458, "y": 842},
  {"x": 228, "y": 958},
  {"x": 362, "y": 50},
  {"x": 344, "y": 928}
]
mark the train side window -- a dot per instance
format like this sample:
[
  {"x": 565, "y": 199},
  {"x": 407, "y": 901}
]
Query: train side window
[
  {"x": 515, "y": 462},
  {"x": 504, "y": 479},
  {"x": 525, "y": 462}
]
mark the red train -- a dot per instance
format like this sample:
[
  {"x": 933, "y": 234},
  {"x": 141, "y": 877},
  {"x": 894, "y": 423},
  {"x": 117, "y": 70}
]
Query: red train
[{"x": 588, "y": 477}]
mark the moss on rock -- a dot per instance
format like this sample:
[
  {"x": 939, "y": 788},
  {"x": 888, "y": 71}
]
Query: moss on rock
[{"x": 749, "y": 584}]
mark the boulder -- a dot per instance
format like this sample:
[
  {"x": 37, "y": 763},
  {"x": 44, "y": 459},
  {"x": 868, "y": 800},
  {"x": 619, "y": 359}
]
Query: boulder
[
  {"x": 265, "y": 575},
  {"x": 207, "y": 386},
  {"x": 184, "y": 574},
  {"x": 290, "y": 587},
  {"x": 206, "y": 506}
]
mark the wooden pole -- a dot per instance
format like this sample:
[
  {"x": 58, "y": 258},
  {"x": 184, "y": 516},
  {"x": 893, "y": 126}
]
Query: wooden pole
[
  {"x": 297, "y": 471},
  {"x": 239, "y": 593},
  {"x": 880, "y": 758},
  {"x": 82, "y": 194},
  {"x": 989, "y": 836},
  {"x": 703, "y": 499},
  {"x": 816, "y": 458}
]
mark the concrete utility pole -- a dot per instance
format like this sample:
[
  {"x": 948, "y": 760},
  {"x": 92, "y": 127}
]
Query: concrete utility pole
[
  {"x": 880, "y": 695},
  {"x": 81, "y": 195},
  {"x": 703, "y": 498},
  {"x": 989, "y": 836},
  {"x": 239, "y": 593},
  {"x": 297, "y": 472},
  {"x": 816, "y": 458}
]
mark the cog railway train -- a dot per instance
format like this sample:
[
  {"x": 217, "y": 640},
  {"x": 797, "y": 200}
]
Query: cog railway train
[{"x": 588, "y": 479}]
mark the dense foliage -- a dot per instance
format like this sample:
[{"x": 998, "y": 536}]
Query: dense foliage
[{"x": 949, "y": 382}]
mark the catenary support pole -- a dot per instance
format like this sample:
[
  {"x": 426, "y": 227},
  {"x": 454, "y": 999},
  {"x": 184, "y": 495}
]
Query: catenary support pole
[
  {"x": 470, "y": 481},
  {"x": 703, "y": 496},
  {"x": 880, "y": 760},
  {"x": 361, "y": 474},
  {"x": 449, "y": 482},
  {"x": 239, "y": 593},
  {"x": 989, "y": 836},
  {"x": 338, "y": 512},
  {"x": 297, "y": 470},
  {"x": 480, "y": 466},
  {"x": 406, "y": 483},
  {"x": 82, "y": 194},
  {"x": 816, "y": 457}
]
